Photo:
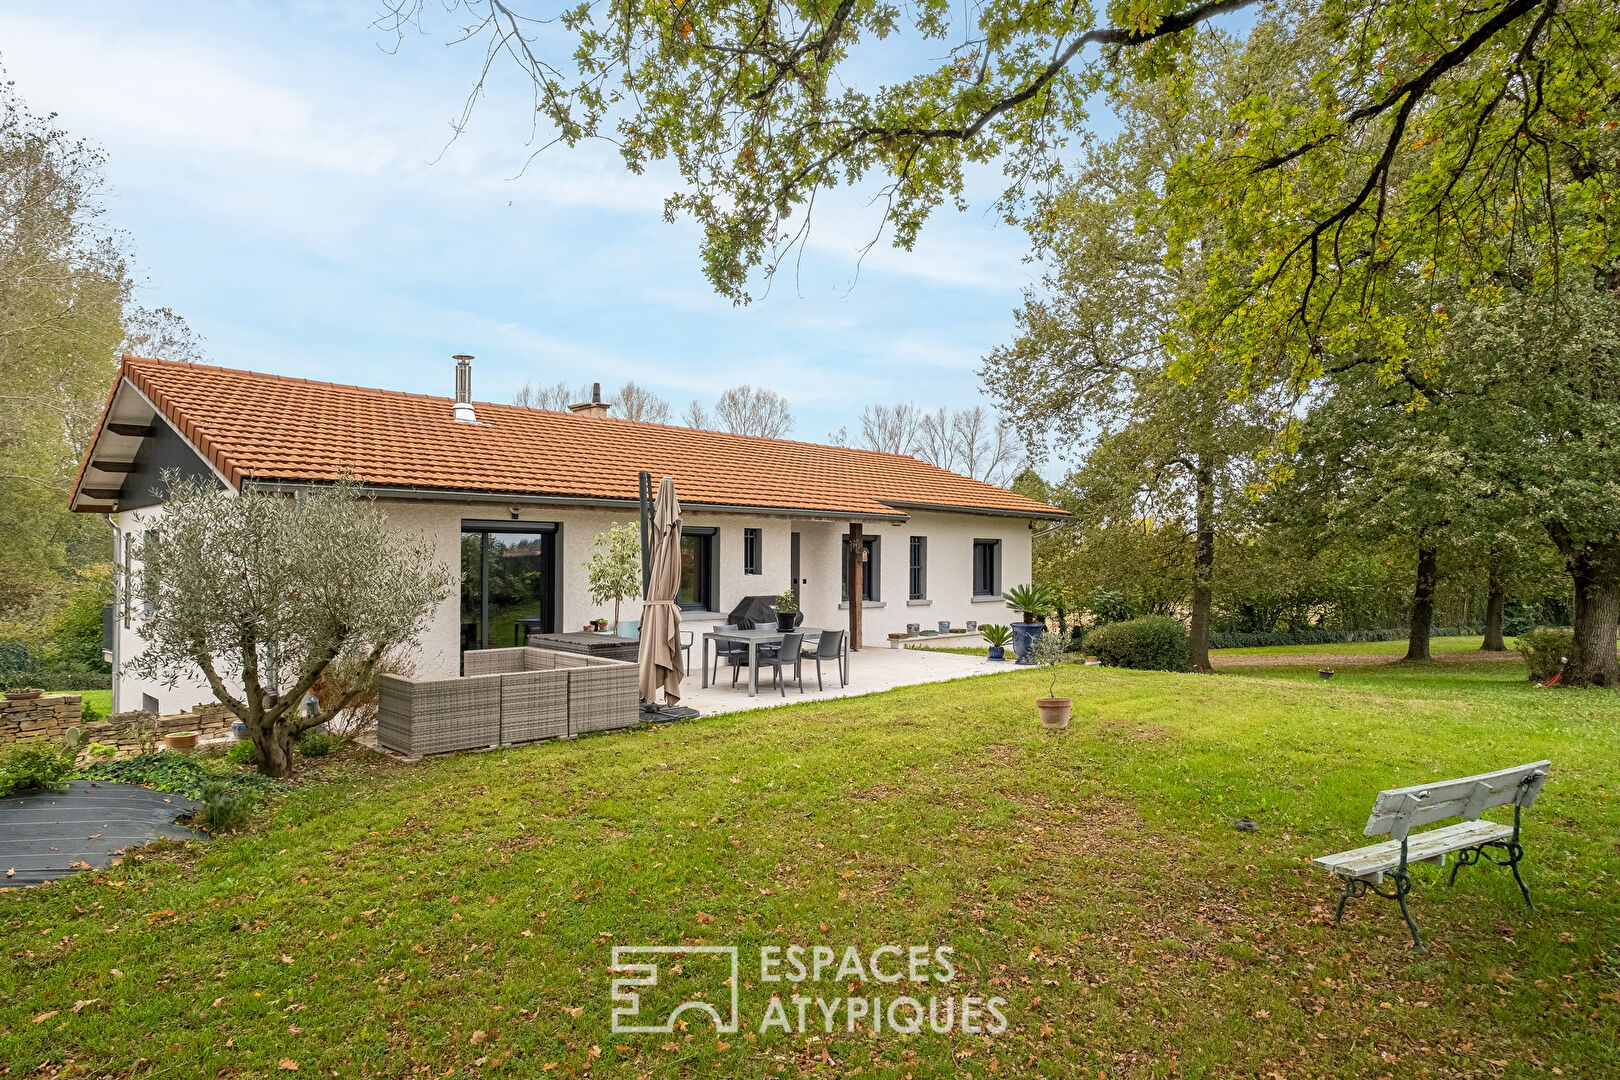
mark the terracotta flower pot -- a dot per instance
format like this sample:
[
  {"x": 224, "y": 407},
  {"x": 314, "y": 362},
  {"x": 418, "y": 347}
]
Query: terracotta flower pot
[
  {"x": 1054, "y": 711},
  {"x": 181, "y": 740}
]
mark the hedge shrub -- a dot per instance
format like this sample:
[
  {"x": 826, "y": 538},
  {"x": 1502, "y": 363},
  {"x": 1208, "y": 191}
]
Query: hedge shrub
[
  {"x": 1544, "y": 651},
  {"x": 55, "y": 679},
  {"x": 1317, "y": 636},
  {"x": 1153, "y": 643}
]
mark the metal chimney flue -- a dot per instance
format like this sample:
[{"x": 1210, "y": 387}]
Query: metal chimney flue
[{"x": 462, "y": 410}]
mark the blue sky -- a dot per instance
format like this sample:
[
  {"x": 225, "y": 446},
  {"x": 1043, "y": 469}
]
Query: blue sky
[{"x": 281, "y": 178}]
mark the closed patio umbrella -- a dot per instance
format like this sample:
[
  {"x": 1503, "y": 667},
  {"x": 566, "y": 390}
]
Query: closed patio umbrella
[{"x": 660, "y": 656}]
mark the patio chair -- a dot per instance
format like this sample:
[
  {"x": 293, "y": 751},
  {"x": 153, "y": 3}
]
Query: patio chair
[
  {"x": 734, "y": 651},
  {"x": 776, "y": 658},
  {"x": 830, "y": 646},
  {"x": 686, "y": 647}
]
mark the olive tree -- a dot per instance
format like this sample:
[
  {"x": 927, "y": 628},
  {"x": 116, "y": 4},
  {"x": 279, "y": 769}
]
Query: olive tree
[{"x": 263, "y": 592}]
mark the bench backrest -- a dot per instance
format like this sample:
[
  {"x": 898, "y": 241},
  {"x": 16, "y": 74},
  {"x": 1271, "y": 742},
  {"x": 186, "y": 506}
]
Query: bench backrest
[{"x": 1400, "y": 810}]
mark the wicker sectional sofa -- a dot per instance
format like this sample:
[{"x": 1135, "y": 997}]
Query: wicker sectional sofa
[{"x": 508, "y": 696}]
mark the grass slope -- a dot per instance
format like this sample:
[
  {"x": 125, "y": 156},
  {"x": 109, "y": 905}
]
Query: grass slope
[{"x": 456, "y": 917}]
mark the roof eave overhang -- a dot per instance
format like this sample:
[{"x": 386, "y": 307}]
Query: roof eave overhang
[{"x": 1047, "y": 514}]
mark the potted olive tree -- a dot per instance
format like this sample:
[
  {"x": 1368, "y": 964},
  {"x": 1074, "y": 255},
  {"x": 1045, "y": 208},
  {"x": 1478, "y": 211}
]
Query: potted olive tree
[
  {"x": 1036, "y": 602},
  {"x": 613, "y": 571},
  {"x": 1049, "y": 653},
  {"x": 996, "y": 636},
  {"x": 787, "y": 606}
]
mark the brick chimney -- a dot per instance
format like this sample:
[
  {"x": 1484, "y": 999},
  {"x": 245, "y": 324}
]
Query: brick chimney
[
  {"x": 462, "y": 410},
  {"x": 595, "y": 407}
]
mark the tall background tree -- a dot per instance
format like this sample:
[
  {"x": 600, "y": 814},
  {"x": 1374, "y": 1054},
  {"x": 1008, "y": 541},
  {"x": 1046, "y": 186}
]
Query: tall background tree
[
  {"x": 1089, "y": 376},
  {"x": 67, "y": 309},
  {"x": 743, "y": 410}
]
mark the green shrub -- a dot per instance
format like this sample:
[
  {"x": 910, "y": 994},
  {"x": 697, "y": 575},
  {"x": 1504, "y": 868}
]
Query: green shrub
[
  {"x": 55, "y": 680},
  {"x": 166, "y": 770},
  {"x": 226, "y": 807},
  {"x": 1519, "y": 618},
  {"x": 37, "y": 764},
  {"x": 240, "y": 753},
  {"x": 76, "y": 631},
  {"x": 314, "y": 743},
  {"x": 1153, "y": 643},
  {"x": 1544, "y": 651}
]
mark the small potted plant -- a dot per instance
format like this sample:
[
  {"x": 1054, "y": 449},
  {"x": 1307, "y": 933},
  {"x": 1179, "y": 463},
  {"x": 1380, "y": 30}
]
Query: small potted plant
[
  {"x": 787, "y": 608},
  {"x": 27, "y": 693},
  {"x": 996, "y": 636},
  {"x": 181, "y": 740},
  {"x": 600, "y": 624},
  {"x": 1048, "y": 651}
]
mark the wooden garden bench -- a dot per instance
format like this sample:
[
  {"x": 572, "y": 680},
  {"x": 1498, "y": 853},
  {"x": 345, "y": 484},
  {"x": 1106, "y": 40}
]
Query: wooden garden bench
[{"x": 1398, "y": 811}]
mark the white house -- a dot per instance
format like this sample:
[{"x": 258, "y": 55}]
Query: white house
[{"x": 518, "y": 496}]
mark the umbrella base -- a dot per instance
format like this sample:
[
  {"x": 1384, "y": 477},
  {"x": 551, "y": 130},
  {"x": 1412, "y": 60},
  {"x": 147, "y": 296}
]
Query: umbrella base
[{"x": 655, "y": 714}]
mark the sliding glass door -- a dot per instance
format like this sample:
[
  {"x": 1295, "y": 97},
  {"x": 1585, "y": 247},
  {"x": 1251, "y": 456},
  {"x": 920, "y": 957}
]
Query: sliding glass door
[{"x": 508, "y": 583}]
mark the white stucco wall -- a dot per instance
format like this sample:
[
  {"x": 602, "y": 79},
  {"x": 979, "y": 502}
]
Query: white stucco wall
[{"x": 950, "y": 580}]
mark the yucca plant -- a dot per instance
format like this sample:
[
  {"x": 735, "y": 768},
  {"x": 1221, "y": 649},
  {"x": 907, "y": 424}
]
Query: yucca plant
[
  {"x": 995, "y": 635},
  {"x": 1035, "y": 601}
]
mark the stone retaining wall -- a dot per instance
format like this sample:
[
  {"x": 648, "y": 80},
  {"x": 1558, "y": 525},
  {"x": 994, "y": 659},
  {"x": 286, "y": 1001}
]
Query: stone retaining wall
[
  {"x": 50, "y": 716},
  {"x": 44, "y": 717}
]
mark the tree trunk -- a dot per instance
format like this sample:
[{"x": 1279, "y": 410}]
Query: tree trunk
[
  {"x": 273, "y": 745},
  {"x": 1495, "y": 599},
  {"x": 1203, "y": 562},
  {"x": 1592, "y": 660},
  {"x": 1595, "y": 570},
  {"x": 1428, "y": 573}
]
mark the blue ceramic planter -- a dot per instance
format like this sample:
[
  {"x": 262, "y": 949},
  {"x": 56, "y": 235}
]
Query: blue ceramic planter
[
  {"x": 1024, "y": 636},
  {"x": 997, "y": 653}
]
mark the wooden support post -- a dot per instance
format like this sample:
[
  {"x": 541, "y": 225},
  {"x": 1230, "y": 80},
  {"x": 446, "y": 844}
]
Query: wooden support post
[{"x": 857, "y": 583}]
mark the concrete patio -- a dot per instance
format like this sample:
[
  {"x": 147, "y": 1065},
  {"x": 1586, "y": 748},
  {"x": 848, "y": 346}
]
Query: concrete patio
[{"x": 872, "y": 670}]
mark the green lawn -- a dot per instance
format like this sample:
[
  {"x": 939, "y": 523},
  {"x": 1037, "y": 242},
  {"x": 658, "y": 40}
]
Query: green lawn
[
  {"x": 100, "y": 699},
  {"x": 1358, "y": 648},
  {"x": 456, "y": 917}
]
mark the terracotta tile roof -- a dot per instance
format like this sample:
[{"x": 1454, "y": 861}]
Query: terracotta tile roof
[{"x": 269, "y": 427}]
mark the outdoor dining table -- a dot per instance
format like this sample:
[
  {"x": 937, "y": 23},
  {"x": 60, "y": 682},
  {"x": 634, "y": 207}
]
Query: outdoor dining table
[{"x": 766, "y": 636}]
